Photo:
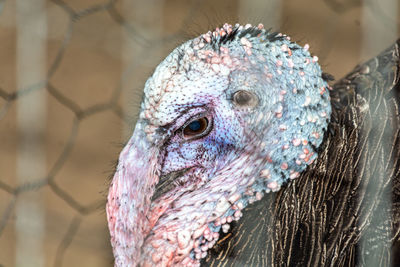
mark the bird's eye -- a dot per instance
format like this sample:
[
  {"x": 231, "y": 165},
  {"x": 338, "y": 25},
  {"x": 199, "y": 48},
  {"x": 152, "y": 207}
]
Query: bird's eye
[
  {"x": 196, "y": 128},
  {"x": 244, "y": 98}
]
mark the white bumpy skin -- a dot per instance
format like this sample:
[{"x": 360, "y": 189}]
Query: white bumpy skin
[{"x": 226, "y": 117}]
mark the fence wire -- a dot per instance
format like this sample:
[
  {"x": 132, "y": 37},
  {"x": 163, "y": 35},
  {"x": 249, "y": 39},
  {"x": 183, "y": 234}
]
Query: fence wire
[
  {"x": 113, "y": 104},
  {"x": 80, "y": 114}
]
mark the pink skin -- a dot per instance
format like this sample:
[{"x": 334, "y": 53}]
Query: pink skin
[
  {"x": 164, "y": 232},
  {"x": 160, "y": 238}
]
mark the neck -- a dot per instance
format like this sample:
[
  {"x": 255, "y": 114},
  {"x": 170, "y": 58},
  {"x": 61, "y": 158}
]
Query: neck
[{"x": 190, "y": 225}]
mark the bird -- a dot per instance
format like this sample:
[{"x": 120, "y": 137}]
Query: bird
[{"x": 243, "y": 154}]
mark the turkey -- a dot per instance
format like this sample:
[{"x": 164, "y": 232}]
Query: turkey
[{"x": 243, "y": 155}]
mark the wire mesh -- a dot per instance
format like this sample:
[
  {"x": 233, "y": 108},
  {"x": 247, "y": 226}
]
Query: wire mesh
[{"x": 332, "y": 27}]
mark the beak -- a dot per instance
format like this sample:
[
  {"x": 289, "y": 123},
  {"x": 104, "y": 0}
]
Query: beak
[{"x": 129, "y": 197}]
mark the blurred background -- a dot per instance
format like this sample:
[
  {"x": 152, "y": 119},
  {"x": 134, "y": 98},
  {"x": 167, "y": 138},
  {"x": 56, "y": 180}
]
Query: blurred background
[{"x": 71, "y": 79}]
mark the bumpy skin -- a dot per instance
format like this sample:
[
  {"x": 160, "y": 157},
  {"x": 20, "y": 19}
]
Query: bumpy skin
[
  {"x": 171, "y": 195},
  {"x": 344, "y": 210}
]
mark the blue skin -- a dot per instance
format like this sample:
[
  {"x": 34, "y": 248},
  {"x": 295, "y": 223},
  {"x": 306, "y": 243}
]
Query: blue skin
[{"x": 293, "y": 89}]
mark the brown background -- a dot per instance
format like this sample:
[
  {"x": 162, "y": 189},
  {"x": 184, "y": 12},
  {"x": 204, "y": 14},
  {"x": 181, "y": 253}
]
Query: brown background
[{"x": 99, "y": 54}]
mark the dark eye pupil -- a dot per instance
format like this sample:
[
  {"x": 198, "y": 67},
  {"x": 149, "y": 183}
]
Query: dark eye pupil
[
  {"x": 196, "y": 128},
  {"x": 195, "y": 125}
]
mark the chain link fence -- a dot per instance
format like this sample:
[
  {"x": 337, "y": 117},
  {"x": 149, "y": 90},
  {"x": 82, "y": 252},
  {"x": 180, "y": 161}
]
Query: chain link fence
[{"x": 99, "y": 54}]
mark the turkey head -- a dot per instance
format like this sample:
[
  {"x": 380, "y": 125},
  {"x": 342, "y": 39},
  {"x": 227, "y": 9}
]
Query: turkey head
[{"x": 225, "y": 118}]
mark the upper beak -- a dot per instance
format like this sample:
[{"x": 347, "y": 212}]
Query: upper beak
[{"x": 129, "y": 197}]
